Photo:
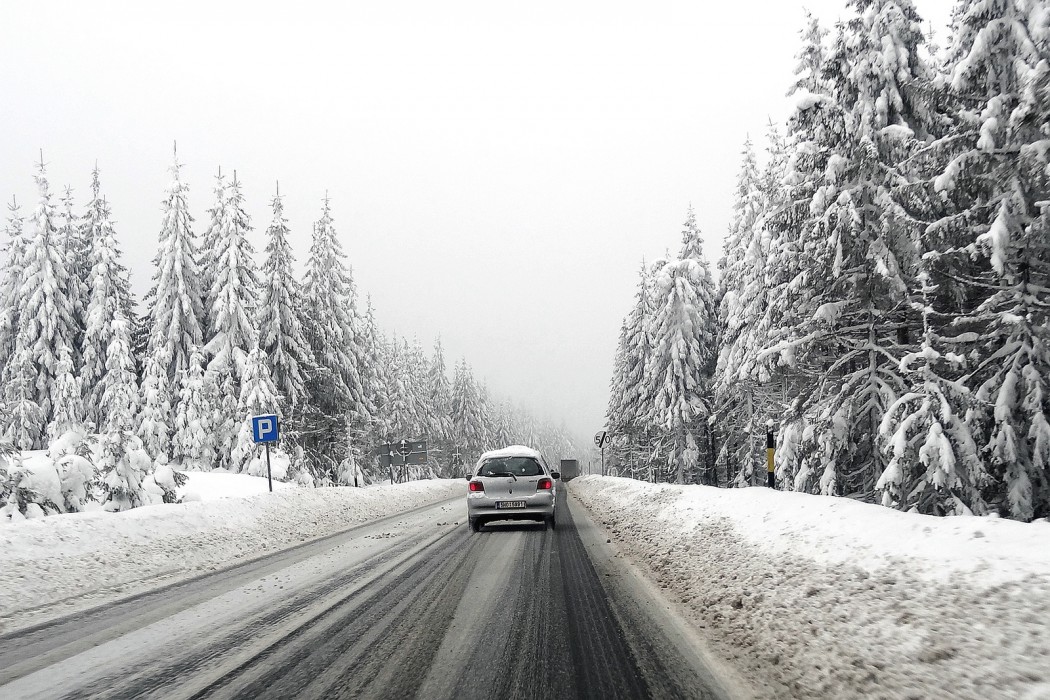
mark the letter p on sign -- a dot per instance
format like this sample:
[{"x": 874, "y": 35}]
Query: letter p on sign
[{"x": 265, "y": 428}]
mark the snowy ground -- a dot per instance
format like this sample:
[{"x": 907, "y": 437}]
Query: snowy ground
[
  {"x": 212, "y": 486},
  {"x": 810, "y": 596},
  {"x": 63, "y": 563}
]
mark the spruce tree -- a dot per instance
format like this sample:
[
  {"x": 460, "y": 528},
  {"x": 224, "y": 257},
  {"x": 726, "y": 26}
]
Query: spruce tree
[
  {"x": 194, "y": 441},
  {"x": 681, "y": 363},
  {"x": 234, "y": 289},
  {"x": 466, "y": 414},
  {"x": 440, "y": 394},
  {"x": 210, "y": 251},
  {"x": 996, "y": 240},
  {"x": 122, "y": 463},
  {"x": 734, "y": 391},
  {"x": 224, "y": 400},
  {"x": 46, "y": 319},
  {"x": 281, "y": 334},
  {"x": 175, "y": 310},
  {"x": 68, "y": 399},
  {"x": 12, "y": 265},
  {"x": 857, "y": 247},
  {"x": 108, "y": 294},
  {"x": 24, "y": 421},
  {"x": 258, "y": 396},
  {"x": 74, "y": 249},
  {"x": 155, "y": 419}
]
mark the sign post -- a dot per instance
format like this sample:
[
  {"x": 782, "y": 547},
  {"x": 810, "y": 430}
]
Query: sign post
[
  {"x": 403, "y": 453},
  {"x": 266, "y": 429},
  {"x": 600, "y": 438}
]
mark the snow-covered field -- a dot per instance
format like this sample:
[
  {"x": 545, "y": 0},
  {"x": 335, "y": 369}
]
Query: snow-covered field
[
  {"x": 63, "y": 563},
  {"x": 820, "y": 597}
]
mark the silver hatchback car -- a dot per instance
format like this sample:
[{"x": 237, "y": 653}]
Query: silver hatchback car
[{"x": 514, "y": 483}]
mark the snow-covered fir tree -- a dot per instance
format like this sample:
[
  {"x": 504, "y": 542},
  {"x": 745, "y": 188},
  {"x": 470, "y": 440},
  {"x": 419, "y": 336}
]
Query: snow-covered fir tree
[
  {"x": 856, "y": 248},
  {"x": 67, "y": 396},
  {"x": 233, "y": 291},
  {"x": 629, "y": 417},
  {"x": 122, "y": 462},
  {"x": 467, "y": 420},
  {"x": 155, "y": 417},
  {"x": 330, "y": 319},
  {"x": 258, "y": 396},
  {"x": 46, "y": 320},
  {"x": 934, "y": 467},
  {"x": 440, "y": 395},
  {"x": 996, "y": 177},
  {"x": 281, "y": 335},
  {"x": 12, "y": 263},
  {"x": 24, "y": 420},
  {"x": 74, "y": 249},
  {"x": 175, "y": 308},
  {"x": 223, "y": 401},
  {"x": 738, "y": 281},
  {"x": 193, "y": 444},
  {"x": 210, "y": 250},
  {"x": 682, "y": 360},
  {"x": 109, "y": 294}
]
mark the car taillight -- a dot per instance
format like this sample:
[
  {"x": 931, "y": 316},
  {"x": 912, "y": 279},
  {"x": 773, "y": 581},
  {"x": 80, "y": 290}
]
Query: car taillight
[
  {"x": 477, "y": 486},
  {"x": 545, "y": 484}
]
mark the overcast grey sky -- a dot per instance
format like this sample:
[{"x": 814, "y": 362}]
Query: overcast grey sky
[{"x": 497, "y": 169}]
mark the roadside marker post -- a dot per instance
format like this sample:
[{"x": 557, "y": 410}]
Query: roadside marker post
[
  {"x": 600, "y": 438},
  {"x": 266, "y": 429},
  {"x": 770, "y": 452}
]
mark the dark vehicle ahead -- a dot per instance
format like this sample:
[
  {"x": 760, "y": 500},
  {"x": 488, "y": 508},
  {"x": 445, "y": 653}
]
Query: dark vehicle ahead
[
  {"x": 570, "y": 469},
  {"x": 511, "y": 484}
]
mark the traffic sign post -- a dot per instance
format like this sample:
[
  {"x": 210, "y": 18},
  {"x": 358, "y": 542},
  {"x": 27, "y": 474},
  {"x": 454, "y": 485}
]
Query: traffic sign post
[
  {"x": 600, "y": 439},
  {"x": 266, "y": 429},
  {"x": 403, "y": 453}
]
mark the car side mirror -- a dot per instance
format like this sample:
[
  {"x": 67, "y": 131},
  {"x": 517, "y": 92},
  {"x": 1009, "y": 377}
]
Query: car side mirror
[
  {"x": 556, "y": 475},
  {"x": 468, "y": 477}
]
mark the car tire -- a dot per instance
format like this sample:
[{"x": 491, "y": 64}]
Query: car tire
[
  {"x": 475, "y": 524},
  {"x": 550, "y": 522}
]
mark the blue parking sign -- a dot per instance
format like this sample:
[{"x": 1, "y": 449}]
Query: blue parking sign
[{"x": 264, "y": 428}]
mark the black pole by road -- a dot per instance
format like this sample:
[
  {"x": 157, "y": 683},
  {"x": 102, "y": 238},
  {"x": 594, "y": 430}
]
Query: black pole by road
[
  {"x": 770, "y": 478},
  {"x": 269, "y": 478}
]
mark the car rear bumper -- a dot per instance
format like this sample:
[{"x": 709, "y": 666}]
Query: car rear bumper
[{"x": 538, "y": 506}]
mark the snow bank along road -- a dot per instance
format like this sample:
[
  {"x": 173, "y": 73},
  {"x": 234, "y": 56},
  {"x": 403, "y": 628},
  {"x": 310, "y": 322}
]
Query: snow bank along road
[
  {"x": 413, "y": 605},
  {"x": 824, "y": 597}
]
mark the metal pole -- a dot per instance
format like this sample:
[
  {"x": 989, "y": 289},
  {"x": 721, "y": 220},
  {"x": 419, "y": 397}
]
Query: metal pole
[
  {"x": 770, "y": 449},
  {"x": 603, "y": 460},
  {"x": 269, "y": 478}
]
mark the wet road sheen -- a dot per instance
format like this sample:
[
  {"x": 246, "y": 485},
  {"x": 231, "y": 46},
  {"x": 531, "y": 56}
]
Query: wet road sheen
[{"x": 418, "y": 608}]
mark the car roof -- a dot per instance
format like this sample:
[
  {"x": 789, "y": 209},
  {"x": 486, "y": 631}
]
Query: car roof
[{"x": 512, "y": 451}]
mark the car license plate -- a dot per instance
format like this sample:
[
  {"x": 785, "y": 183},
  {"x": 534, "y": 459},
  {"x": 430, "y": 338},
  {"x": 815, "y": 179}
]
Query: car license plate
[{"x": 500, "y": 505}]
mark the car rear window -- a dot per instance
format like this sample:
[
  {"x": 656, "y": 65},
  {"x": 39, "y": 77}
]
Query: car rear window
[{"x": 518, "y": 466}]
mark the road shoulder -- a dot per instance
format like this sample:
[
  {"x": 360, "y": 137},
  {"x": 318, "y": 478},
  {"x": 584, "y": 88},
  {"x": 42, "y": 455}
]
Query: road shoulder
[{"x": 648, "y": 616}]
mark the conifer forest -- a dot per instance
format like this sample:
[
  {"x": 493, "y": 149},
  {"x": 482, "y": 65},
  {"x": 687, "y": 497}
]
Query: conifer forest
[
  {"x": 881, "y": 301},
  {"x": 125, "y": 393}
]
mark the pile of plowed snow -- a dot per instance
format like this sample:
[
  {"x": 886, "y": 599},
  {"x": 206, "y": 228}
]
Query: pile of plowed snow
[
  {"x": 821, "y": 597},
  {"x": 99, "y": 556}
]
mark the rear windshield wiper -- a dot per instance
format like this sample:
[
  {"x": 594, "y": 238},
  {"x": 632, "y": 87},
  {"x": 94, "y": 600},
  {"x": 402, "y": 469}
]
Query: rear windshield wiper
[{"x": 504, "y": 474}]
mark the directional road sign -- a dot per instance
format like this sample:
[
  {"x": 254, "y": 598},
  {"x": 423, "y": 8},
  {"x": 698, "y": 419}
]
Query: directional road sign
[
  {"x": 265, "y": 428},
  {"x": 404, "y": 452}
]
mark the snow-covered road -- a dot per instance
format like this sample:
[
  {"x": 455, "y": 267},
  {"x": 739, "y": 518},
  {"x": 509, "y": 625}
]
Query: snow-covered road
[{"x": 411, "y": 605}]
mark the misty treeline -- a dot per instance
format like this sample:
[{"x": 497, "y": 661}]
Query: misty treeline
[
  {"x": 884, "y": 287},
  {"x": 120, "y": 399}
]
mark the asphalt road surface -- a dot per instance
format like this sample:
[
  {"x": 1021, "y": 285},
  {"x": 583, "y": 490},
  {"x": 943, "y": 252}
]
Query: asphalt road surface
[{"x": 411, "y": 606}]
